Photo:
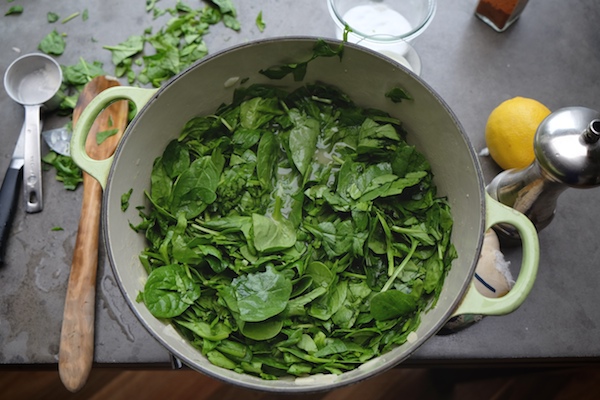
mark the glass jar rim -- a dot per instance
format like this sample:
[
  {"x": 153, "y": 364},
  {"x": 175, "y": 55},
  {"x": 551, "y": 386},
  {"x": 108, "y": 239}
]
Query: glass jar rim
[{"x": 413, "y": 33}]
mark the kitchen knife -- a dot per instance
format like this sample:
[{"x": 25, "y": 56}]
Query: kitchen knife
[{"x": 9, "y": 192}]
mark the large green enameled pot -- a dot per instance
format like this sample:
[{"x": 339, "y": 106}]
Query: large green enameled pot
[{"x": 365, "y": 76}]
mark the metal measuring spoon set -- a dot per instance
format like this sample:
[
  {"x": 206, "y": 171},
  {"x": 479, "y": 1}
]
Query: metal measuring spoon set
[{"x": 32, "y": 80}]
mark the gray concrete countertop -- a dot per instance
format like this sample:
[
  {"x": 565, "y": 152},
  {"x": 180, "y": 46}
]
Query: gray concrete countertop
[{"x": 550, "y": 54}]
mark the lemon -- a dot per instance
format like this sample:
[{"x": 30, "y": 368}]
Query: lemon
[{"x": 510, "y": 131}]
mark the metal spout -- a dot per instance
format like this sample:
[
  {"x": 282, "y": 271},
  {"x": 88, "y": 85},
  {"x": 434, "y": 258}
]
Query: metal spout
[{"x": 592, "y": 133}]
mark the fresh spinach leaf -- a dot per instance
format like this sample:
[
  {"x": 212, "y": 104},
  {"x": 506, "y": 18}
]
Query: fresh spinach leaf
[
  {"x": 125, "y": 200},
  {"x": 320, "y": 274},
  {"x": 298, "y": 70},
  {"x": 225, "y": 6},
  {"x": 392, "y": 304},
  {"x": 272, "y": 234},
  {"x": 261, "y": 295},
  {"x": 169, "y": 291},
  {"x": 74, "y": 78},
  {"x": 67, "y": 171},
  {"x": 14, "y": 10},
  {"x": 195, "y": 188},
  {"x": 132, "y": 46},
  {"x": 175, "y": 159},
  {"x": 256, "y": 112},
  {"x": 398, "y": 94},
  {"x": 266, "y": 158},
  {"x": 53, "y": 43},
  {"x": 52, "y": 17},
  {"x": 103, "y": 135},
  {"x": 214, "y": 333},
  {"x": 81, "y": 73},
  {"x": 260, "y": 24},
  {"x": 303, "y": 141}
]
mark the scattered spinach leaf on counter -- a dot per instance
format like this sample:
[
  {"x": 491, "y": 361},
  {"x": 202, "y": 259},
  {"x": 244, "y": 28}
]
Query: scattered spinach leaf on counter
[
  {"x": 150, "y": 4},
  {"x": 293, "y": 233},
  {"x": 175, "y": 46},
  {"x": 53, "y": 43},
  {"x": 77, "y": 75},
  {"x": 52, "y": 17},
  {"x": 225, "y": 6},
  {"x": 67, "y": 171},
  {"x": 74, "y": 79},
  {"x": 14, "y": 10},
  {"x": 132, "y": 46},
  {"x": 260, "y": 23}
]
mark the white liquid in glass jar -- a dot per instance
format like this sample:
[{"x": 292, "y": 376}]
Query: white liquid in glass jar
[
  {"x": 377, "y": 19},
  {"x": 375, "y": 26}
]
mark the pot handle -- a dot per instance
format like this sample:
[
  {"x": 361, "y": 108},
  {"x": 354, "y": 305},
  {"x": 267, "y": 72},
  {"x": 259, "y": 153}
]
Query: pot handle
[
  {"x": 99, "y": 169},
  {"x": 477, "y": 304}
]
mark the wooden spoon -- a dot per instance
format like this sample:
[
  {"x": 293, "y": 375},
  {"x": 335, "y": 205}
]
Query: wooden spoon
[{"x": 77, "y": 335}]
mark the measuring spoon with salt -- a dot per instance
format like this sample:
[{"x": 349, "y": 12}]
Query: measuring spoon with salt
[{"x": 33, "y": 80}]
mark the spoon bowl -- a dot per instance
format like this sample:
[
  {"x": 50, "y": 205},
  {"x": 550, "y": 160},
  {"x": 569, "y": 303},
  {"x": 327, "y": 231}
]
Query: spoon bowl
[{"x": 33, "y": 80}]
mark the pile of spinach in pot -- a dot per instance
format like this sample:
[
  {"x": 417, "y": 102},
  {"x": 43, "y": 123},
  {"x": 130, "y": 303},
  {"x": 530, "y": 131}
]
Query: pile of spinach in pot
[{"x": 293, "y": 233}]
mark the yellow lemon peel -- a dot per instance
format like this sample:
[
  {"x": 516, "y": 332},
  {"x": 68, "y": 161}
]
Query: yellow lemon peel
[{"x": 510, "y": 131}]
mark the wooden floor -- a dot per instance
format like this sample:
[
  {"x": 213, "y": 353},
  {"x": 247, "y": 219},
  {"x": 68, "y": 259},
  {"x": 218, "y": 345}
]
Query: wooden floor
[{"x": 400, "y": 383}]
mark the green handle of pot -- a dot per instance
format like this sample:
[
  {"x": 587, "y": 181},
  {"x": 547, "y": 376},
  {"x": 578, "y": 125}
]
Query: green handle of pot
[
  {"x": 477, "y": 304},
  {"x": 99, "y": 169}
]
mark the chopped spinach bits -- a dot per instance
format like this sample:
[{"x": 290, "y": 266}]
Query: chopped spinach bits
[{"x": 293, "y": 233}]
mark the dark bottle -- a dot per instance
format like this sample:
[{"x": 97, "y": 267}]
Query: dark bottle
[{"x": 500, "y": 14}]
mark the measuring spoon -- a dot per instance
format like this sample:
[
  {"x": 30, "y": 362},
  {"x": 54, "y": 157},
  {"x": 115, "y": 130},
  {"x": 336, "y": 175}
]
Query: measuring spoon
[{"x": 33, "y": 80}]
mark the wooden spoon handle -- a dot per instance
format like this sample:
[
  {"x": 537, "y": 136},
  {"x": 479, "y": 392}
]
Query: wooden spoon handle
[
  {"x": 76, "y": 352},
  {"x": 77, "y": 335}
]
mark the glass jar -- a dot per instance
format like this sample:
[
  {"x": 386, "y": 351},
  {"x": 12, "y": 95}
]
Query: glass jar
[{"x": 500, "y": 14}]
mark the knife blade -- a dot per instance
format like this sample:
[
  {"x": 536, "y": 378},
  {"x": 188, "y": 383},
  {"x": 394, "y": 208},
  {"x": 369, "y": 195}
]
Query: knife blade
[{"x": 9, "y": 192}]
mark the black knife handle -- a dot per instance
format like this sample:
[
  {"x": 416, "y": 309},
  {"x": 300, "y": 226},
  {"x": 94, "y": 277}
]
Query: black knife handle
[{"x": 9, "y": 193}]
